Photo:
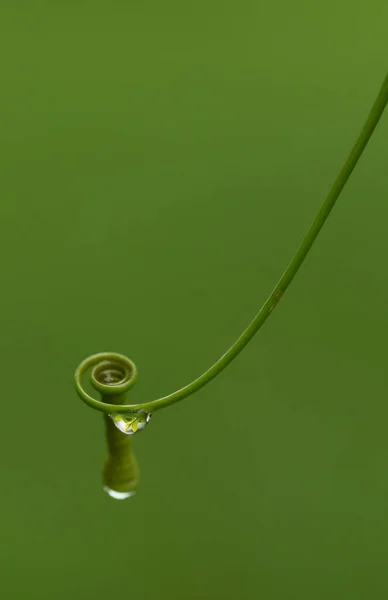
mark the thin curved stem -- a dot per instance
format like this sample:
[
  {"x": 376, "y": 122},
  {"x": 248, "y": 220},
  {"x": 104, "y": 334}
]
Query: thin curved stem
[
  {"x": 293, "y": 267},
  {"x": 285, "y": 280}
]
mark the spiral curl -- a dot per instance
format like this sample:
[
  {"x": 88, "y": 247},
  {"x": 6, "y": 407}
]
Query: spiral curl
[{"x": 112, "y": 375}]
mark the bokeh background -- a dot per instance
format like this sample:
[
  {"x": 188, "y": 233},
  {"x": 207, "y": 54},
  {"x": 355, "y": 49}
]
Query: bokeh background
[{"x": 160, "y": 162}]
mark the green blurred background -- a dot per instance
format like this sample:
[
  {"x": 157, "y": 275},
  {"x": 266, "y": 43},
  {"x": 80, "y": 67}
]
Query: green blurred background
[{"x": 160, "y": 161}]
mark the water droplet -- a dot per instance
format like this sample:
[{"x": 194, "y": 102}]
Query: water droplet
[
  {"x": 118, "y": 495},
  {"x": 132, "y": 423}
]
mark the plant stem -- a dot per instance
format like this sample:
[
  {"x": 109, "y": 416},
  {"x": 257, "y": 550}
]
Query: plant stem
[
  {"x": 293, "y": 267},
  {"x": 283, "y": 283}
]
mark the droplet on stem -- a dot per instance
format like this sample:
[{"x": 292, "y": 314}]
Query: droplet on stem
[{"x": 132, "y": 423}]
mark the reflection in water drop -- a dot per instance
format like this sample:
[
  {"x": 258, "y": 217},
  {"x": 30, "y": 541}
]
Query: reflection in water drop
[
  {"x": 132, "y": 423},
  {"x": 118, "y": 495}
]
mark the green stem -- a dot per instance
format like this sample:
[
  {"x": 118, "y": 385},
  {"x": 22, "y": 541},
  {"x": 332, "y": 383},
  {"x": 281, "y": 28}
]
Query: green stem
[
  {"x": 120, "y": 472},
  {"x": 283, "y": 283}
]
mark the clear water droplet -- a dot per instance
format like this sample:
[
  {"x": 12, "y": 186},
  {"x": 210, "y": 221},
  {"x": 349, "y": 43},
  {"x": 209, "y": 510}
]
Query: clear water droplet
[
  {"x": 118, "y": 495},
  {"x": 132, "y": 423}
]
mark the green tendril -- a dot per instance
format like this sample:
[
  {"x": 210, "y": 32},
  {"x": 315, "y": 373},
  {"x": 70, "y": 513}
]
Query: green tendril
[{"x": 114, "y": 374}]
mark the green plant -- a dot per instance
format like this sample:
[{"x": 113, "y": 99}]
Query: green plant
[{"x": 114, "y": 374}]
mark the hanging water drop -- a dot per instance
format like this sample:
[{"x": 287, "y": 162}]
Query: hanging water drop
[
  {"x": 118, "y": 495},
  {"x": 132, "y": 423}
]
